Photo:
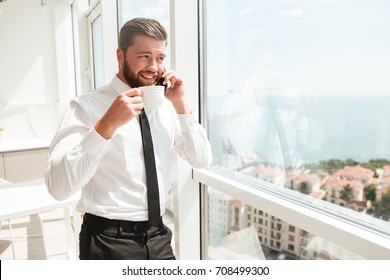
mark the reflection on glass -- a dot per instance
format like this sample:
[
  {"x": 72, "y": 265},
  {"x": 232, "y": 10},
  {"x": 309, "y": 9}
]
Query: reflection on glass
[
  {"x": 301, "y": 101},
  {"x": 237, "y": 230},
  {"x": 97, "y": 51}
]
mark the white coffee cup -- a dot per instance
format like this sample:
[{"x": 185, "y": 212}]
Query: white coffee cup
[{"x": 152, "y": 96}]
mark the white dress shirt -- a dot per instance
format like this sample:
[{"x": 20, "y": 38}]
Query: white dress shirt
[{"x": 111, "y": 173}]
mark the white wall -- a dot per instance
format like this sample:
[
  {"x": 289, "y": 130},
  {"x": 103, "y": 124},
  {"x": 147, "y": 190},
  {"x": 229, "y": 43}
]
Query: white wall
[
  {"x": 36, "y": 67},
  {"x": 27, "y": 53}
]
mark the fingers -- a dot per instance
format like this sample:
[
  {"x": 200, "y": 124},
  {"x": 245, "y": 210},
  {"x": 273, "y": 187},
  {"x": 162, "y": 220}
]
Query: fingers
[
  {"x": 172, "y": 77},
  {"x": 134, "y": 99},
  {"x": 131, "y": 99},
  {"x": 136, "y": 103},
  {"x": 133, "y": 92},
  {"x": 132, "y": 96}
]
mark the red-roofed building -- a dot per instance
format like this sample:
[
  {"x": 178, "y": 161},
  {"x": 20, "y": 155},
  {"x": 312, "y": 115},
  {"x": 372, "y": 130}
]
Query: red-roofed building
[
  {"x": 380, "y": 191},
  {"x": 237, "y": 215},
  {"x": 312, "y": 184},
  {"x": 356, "y": 173},
  {"x": 359, "y": 206},
  {"x": 335, "y": 185},
  {"x": 386, "y": 171},
  {"x": 384, "y": 179}
]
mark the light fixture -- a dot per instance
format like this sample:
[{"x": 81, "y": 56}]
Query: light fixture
[{"x": 43, "y": 2}]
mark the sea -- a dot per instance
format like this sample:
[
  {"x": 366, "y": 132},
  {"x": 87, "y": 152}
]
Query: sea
[{"x": 354, "y": 127}]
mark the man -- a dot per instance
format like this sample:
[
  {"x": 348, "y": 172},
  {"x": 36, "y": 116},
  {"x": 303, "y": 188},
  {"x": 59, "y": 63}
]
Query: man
[{"x": 98, "y": 149}]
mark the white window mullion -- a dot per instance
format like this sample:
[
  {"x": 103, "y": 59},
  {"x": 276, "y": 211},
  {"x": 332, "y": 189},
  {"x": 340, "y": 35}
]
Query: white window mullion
[
  {"x": 184, "y": 30},
  {"x": 110, "y": 38},
  {"x": 64, "y": 50},
  {"x": 93, "y": 13}
]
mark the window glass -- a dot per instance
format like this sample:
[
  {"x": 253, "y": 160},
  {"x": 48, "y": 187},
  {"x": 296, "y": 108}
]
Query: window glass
[
  {"x": 158, "y": 10},
  {"x": 235, "y": 236},
  {"x": 297, "y": 95},
  {"x": 97, "y": 52}
]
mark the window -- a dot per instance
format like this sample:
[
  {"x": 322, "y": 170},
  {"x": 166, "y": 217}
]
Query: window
[
  {"x": 95, "y": 28},
  {"x": 255, "y": 241},
  {"x": 159, "y": 10},
  {"x": 97, "y": 52},
  {"x": 296, "y": 104}
]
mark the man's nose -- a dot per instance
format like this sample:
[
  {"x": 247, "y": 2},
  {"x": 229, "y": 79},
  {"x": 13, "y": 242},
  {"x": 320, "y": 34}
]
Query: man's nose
[{"x": 152, "y": 65}]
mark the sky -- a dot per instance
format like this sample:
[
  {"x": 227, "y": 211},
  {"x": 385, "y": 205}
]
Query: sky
[
  {"x": 322, "y": 46},
  {"x": 335, "y": 51}
]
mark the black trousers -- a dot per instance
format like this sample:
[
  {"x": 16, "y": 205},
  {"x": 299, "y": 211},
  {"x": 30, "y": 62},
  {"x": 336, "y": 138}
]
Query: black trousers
[{"x": 106, "y": 239}]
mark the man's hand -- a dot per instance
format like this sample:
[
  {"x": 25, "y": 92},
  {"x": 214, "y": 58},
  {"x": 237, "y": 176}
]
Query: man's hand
[
  {"x": 125, "y": 107},
  {"x": 175, "y": 93}
]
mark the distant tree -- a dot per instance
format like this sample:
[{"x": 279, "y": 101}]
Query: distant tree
[
  {"x": 374, "y": 164},
  {"x": 331, "y": 165},
  {"x": 313, "y": 166},
  {"x": 350, "y": 162},
  {"x": 382, "y": 207},
  {"x": 380, "y": 162},
  {"x": 370, "y": 192},
  {"x": 334, "y": 164},
  {"x": 346, "y": 193},
  {"x": 305, "y": 187}
]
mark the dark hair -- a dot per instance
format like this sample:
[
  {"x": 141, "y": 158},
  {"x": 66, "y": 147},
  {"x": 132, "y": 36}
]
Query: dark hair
[{"x": 140, "y": 26}]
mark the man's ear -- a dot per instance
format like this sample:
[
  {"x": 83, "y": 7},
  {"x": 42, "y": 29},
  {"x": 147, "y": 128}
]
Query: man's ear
[{"x": 120, "y": 56}]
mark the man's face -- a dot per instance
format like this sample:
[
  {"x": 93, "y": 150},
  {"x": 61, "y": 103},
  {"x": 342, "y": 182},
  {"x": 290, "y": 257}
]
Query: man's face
[{"x": 143, "y": 62}]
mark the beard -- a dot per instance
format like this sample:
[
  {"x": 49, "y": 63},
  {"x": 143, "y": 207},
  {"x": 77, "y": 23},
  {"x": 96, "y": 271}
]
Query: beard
[{"x": 133, "y": 78}]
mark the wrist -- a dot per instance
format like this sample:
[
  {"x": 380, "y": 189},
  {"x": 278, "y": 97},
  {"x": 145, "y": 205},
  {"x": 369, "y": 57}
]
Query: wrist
[
  {"x": 105, "y": 130},
  {"x": 181, "y": 107}
]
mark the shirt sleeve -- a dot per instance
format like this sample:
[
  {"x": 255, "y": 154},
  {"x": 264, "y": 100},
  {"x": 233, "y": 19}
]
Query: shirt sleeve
[
  {"x": 191, "y": 142},
  {"x": 75, "y": 153}
]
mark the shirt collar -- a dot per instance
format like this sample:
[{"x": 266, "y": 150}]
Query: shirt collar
[{"x": 118, "y": 85}]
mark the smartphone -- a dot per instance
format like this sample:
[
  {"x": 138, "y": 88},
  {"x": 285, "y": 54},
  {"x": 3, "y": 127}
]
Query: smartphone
[{"x": 160, "y": 82}]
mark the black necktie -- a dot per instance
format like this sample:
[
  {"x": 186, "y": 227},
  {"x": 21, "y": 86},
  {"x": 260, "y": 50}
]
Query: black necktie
[{"x": 151, "y": 174}]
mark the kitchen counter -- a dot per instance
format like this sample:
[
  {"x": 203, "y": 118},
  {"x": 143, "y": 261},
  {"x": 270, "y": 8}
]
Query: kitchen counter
[{"x": 32, "y": 144}]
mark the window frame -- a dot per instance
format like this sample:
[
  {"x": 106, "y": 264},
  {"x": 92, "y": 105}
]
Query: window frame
[
  {"x": 93, "y": 13},
  {"x": 107, "y": 9},
  {"x": 349, "y": 235}
]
